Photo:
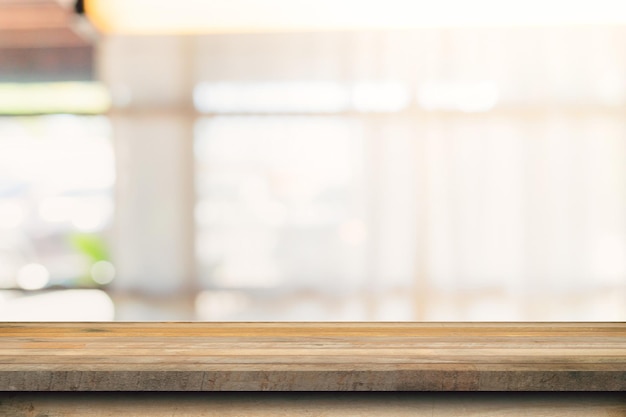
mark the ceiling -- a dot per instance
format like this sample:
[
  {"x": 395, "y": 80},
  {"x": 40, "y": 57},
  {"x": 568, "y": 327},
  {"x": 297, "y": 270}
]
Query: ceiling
[{"x": 43, "y": 40}]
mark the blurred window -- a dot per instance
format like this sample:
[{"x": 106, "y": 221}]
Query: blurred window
[
  {"x": 281, "y": 201},
  {"x": 56, "y": 201},
  {"x": 477, "y": 172},
  {"x": 301, "y": 97}
]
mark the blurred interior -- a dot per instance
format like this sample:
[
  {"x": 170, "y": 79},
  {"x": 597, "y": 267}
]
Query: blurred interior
[{"x": 211, "y": 161}]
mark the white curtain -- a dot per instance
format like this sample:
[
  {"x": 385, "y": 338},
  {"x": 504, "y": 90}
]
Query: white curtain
[{"x": 497, "y": 191}]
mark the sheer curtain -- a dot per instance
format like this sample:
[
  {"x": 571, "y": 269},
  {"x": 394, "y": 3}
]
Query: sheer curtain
[{"x": 487, "y": 169}]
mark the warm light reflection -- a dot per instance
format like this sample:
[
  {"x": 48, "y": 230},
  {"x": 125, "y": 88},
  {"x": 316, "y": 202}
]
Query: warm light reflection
[{"x": 214, "y": 16}]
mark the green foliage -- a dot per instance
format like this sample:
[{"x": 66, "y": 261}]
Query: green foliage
[{"x": 93, "y": 246}]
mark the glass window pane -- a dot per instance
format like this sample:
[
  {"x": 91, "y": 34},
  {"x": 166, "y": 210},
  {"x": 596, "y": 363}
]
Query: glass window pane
[
  {"x": 281, "y": 201},
  {"x": 56, "y": 203}
]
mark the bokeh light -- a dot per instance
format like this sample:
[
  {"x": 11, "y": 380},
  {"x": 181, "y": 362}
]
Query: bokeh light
[{"x": 33, "y": 276}]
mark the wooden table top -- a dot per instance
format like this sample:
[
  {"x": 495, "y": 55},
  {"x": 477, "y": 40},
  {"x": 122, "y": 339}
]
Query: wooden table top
[{"x": 205, "y": 356}]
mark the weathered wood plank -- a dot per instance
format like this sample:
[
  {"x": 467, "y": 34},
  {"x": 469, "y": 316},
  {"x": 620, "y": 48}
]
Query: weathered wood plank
[
  {"x": 312, "y": 356},
  {"x": 313, "y": 404}
]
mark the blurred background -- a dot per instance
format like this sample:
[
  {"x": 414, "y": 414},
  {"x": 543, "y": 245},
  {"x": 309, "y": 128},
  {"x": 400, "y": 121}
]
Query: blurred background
[{"x": 322, "y": 161}]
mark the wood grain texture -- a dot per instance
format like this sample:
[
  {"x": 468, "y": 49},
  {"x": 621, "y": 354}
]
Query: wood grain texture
[
  {"x": 312, "y": 404},
  {"x": 312, "y": 356}
]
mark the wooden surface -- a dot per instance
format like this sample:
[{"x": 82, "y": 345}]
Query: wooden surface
[
  {"x": 312, "y": 356},
  {"x": 312, "y": 404}
]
